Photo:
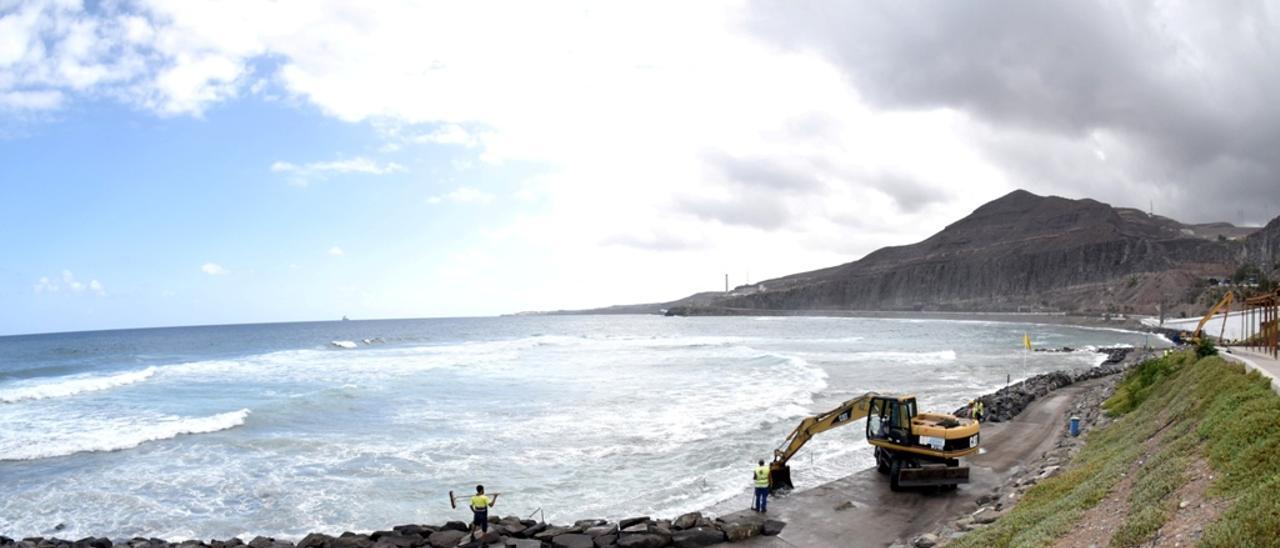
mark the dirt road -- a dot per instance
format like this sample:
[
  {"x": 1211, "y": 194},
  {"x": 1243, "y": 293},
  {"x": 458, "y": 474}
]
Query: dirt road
[{"x": 880, "y": 517}]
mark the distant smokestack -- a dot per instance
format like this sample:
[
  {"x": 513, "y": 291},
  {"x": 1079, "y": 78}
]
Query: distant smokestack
[{"x": 726, "y": 283}]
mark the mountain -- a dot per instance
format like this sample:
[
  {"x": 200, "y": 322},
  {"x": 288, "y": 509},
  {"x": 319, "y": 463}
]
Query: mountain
[{"x": 1022, "y": 252}]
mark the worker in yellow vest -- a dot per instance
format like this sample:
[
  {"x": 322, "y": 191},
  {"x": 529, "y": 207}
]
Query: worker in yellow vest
[
  {"x": 761, "y": 477},
  {"x": 480, "y": 505},
  {"x": 979, "y": 411}
]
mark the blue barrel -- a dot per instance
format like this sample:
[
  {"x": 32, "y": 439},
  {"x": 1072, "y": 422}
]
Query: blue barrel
[{"x": 1075, "y": 426}]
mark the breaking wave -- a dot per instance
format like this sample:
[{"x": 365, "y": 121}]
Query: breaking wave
[
  {"x": 113, "y": 436},
  {"x": 70, "y": 386},
  {"x": 909, "y": 357}
]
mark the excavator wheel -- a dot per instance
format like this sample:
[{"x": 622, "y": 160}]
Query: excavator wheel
[
  {"x": 895, "y": 468},
  {"x": 882, "y": 463}
]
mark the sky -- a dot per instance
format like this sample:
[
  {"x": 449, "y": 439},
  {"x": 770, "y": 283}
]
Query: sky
[{"x": 206, "y": 162}]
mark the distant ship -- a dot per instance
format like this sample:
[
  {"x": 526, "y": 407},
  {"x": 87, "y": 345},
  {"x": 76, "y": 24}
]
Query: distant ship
[{"x": 346, "y": 319}]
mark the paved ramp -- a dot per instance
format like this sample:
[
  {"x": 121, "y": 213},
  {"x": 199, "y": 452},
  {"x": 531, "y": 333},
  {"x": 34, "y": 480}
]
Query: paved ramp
[{"x": 879, "y": 516}]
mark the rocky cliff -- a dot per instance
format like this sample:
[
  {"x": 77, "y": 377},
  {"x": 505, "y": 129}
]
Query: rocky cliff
[{"x": 1030, "y": 253}]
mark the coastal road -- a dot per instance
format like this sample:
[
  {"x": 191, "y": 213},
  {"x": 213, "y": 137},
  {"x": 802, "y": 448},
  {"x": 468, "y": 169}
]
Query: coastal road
[{"x": 880, "y": 517}]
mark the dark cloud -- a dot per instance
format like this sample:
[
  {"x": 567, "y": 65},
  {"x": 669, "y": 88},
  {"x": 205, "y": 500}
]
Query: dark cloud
[
  {"x": 1185, "y": 92},
  {"x": 910, "y": 194},
  {"x": 755, "y": 208},
  {"x": 768, "y": 193},
  {"x": 761, "y": 172}
]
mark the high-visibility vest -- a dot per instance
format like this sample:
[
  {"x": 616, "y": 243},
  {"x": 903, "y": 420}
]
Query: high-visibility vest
[
  {"x": 762, "y": 476},
  {"x": 480, "y": 502},
  {"x": 979, "y": 407}
]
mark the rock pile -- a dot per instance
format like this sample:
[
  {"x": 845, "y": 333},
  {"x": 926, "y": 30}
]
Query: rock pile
[
  {"x": 1006, "y": 403},
  {"x": 691, "y": 530}
]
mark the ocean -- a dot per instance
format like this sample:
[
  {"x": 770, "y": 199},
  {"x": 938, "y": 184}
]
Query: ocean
[{"x": 214, "y": 432}]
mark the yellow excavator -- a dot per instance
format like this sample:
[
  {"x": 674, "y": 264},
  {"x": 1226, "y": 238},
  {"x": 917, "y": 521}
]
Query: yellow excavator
[
  {"x": 1194, "y": 337},
  {"x": 914, "y": 449}
]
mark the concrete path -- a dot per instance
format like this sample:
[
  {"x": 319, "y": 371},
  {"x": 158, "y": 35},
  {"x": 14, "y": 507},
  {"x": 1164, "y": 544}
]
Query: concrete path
[
  {"x": 879, "y": 516},
  {"x": 1256, "y": 361}
]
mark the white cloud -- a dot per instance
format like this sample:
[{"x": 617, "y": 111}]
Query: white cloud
[
  {"x": 463, "y": 195},
  {"x": 305, "y": 173},
  {"x": 656, "y": 160},
  {"x": 213, "y": 269},
  {"x": 69, "y": 282},
  {"x": 44, "y": 285},
  {"x": 448, "y": 134},
  {"x": 336, "y": 251}
]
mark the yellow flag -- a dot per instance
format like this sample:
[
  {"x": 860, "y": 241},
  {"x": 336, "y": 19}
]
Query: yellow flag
[{"x": 1026, "y": 340}]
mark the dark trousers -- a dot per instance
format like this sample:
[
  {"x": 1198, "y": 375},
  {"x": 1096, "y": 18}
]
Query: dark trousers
[
  {"x": 762, "y": 499},
  {"x": 481, "y": 520}
]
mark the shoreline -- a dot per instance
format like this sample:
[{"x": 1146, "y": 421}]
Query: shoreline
[{"x": 1005, "y": 407}]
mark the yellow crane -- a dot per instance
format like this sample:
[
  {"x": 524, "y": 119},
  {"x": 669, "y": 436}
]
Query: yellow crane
[{"x": 914, "y": 449}]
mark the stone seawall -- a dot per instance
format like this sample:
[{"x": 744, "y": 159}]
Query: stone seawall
[
  {"x": 692, "y": 530},
  {"x": 1006, "y": 403}
]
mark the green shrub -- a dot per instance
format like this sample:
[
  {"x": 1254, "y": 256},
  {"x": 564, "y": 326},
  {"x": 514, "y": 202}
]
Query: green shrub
[{"x": 1205, "y": 348}]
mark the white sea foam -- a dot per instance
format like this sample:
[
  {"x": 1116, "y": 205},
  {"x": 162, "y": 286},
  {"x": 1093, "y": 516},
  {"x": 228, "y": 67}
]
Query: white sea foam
[
  {"x": 69, "y": 386},
  {"x": 111, "y": 435},
  {"x": 908, "y": 357}
]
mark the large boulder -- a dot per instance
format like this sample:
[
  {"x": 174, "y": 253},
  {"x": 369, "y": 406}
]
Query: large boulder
[
  {"x": 740, "y": 530},
  {"x": 598, "y": 530},
  {"x": 772, "y": 527},
  {"x": 553, "y": 532},
  {"x": 623, "y": 524},
  {"x": 420, "y": 530},
  {"x": 454, "y": 526},
  {"x": 687, "y": 521},
  {"x": 347, "y": 541},
  {"x": 643, "y": 540},
  {"x": 697, "y": 537},
  {"x": 572, "y": 540},
  {"x": 447, "y": 538},
  {"x": 402, "y": 541},
  {"x": 606, "y": 541},
  {"x": 523, "y": 543},
  {"x": 315, "y": 540},
  {"x": 532, "y": 530}
]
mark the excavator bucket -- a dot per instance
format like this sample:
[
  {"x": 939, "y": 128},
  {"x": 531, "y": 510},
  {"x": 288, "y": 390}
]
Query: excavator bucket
[
  {"x": 933, "y": 474},
  {"x": 780, "y": 478}
]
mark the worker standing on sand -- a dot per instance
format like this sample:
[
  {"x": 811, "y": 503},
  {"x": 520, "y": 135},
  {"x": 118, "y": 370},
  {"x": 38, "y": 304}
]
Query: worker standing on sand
[
  {"x": 480, "y": 505},
  {"x": 761, "y": 477}
]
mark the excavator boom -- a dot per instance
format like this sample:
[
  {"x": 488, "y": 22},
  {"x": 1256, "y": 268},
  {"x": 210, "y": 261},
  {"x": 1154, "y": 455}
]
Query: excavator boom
[
  {"x": 845, "y": 413},
  {"x": 1226, "y": 301}
]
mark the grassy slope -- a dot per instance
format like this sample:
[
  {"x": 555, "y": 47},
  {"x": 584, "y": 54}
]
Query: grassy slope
[{"x": 1182, "y": 408}]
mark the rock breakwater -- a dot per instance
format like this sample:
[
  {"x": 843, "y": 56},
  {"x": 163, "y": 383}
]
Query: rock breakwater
[
  {"x": 1006, "y": 403},
  {"x": 692, "y": 530}
]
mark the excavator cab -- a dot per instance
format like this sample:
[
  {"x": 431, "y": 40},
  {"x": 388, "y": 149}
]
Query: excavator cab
[{"x": 889, "y": 419}]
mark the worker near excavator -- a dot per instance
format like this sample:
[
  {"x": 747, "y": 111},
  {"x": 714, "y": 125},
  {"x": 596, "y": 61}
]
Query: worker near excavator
[
  {"x": 979, "y": 411},
  {"x": 761, "y": 477},
  {"x": 480, "y": 504}
]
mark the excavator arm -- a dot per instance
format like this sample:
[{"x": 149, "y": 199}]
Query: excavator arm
[
  {"x": 847, "y": 412},
  {"x": 1226, "y": 301}
]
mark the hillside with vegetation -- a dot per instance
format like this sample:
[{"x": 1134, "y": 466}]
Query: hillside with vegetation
[{"x": 1193, "y": 457}]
